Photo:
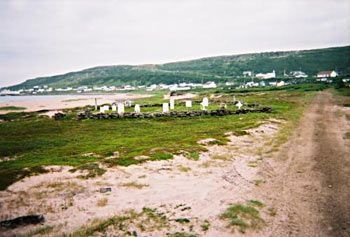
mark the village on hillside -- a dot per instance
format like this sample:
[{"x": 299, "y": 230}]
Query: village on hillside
[{"x": 247, "y": 80}]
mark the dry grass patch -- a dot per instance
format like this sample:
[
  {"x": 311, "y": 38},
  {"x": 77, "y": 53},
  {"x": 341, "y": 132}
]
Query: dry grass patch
[
  {"x": 206, "y": 164},
  {"x": 102, "y": 202},
  {"x": 183, "y": 168},
  {"x": 223, "y": 157},
  {"x": 133, "y": 185}
]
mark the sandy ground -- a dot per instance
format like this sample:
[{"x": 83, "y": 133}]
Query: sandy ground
[
  {"x": 57, "y": 103},
  {"x": 306, "y": 182}
]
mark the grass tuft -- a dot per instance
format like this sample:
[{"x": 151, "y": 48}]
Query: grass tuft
[
  {"x": 102, "y": 202},
  {"x": 242, "y": 217},
  {"x": 133, "y": 185}
]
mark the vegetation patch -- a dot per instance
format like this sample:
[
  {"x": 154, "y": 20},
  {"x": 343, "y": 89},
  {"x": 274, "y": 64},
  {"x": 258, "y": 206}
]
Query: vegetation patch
[
  {"x": 347, "y": 135},
  {"x": 205, "y": 226},
  {"x": 133, "y": 185},
  {"x": 243, "y": 217},
  {"x": 193, "y": 156},
  {"x": 12, "y": 108},
  {"x": 45, "y": 230},
  {"x": 184, "y": 168},
  {"x": 257, "y": 182},
  {"x": 182, "y": 234},
  {"x": 223, "y": 157},
  {"x": 130, "y": 223},
  {"x": 42, "y": 141},
  {"x": 102, "y": 202},
  {"x": 92, "y": 170}
]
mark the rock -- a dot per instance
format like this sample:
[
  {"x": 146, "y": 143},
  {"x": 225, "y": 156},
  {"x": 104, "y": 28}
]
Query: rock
[
  {"x": 105, "y": 190},
  {"x": 22, "y": 221}
]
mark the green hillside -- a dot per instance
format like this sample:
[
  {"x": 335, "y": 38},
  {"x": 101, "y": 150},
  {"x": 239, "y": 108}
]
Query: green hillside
[{"x": 221, "y": 68}]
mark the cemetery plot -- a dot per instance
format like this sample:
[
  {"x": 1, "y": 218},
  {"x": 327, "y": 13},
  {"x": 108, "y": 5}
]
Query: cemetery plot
[{"x": 32, "y": 142}]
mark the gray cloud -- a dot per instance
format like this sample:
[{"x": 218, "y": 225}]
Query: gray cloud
[{"x": 46, "y": 37}]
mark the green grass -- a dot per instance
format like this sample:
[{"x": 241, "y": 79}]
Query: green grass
[
  {"x": 93, "y": 170},
  {"x": 37, "y": 142},
  {"x": 243, "y": 217},
  {"x": 12, "y": 108},
  {"x": 193, "y": 156},
  {"x": 205, "y": 226},
  {"x": 147, "y": 220}
]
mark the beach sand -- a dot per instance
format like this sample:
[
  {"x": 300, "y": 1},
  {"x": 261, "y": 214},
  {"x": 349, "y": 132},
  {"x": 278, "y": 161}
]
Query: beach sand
[{"x": 35, "y": 103}]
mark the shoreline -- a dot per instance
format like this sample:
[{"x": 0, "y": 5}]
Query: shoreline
[{"x": 58, "y": 102}]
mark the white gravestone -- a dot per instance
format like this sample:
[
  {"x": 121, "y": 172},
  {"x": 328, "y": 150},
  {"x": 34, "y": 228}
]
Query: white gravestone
[
  {"x": 172, "y": 104},
  {"x": 203, "y": 106},
  {"x": 239, "y": 104},
  {"x": 127, "y": 103},
  {"x": 102, "y": 109},
  {"x": 137, "y": 108},
  {"x": 205, "y": 101},
  {"x": 114, "y": 107},
  {"x": 106, "y": 107},
  {"x": 165, "y": 107},
  {"x": 120, "y": 108},
  {"x": 188, "y": 103}
]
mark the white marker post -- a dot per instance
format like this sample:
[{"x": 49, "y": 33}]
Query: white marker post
[
  {"x": 102, "y": 109},
  {"x": 239, "y": 104},
  {"x": 120, "y": 108},
  {"x": 165, "y": 107},
  {"x": 205, "y": 101},
  {"x": 188, "y": 103},
  {"x": 172, "y": 104},
  {"x": 137, "y": 108},
  {"x": 95, "y": 103},
  {"x": 114, "y": 107},
  {"x": 106, "y": 107}
]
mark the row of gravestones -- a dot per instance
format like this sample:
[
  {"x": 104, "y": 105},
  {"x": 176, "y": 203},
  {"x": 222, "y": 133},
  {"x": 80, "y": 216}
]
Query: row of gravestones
[
  {"x": 221, "y": 112},
  {"x": 165, "y": 106}
]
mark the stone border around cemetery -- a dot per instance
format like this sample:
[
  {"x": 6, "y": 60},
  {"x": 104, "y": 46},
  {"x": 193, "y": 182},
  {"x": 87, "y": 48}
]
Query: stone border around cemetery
[{"x": 220, "y": 112}]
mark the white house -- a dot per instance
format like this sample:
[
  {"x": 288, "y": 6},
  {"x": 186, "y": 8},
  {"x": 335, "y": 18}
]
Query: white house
[
  {"x": 209, "y": 85},
  {"x": 298, "y": 74},
  {"x": 266, "y": 75},
  {"x": 281, "y": 83},
  {"x": 327, "y": 74},
  {"x": 247, "y": 73}
]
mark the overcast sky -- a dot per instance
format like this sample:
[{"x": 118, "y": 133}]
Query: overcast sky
[{"x": 48, "y": 37}]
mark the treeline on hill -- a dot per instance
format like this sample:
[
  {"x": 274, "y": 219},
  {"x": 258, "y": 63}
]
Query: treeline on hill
[{"x": 219, "y": 69}]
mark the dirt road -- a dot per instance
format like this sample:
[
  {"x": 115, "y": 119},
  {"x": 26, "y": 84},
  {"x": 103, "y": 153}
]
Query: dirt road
[{"x": 311, "y": 183}]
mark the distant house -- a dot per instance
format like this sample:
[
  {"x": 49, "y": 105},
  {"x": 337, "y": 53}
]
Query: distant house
[
  {"x": 247, "y": 73},
  {"x": 298, "y": 74},
  {"x": 209, "y": 85},
  {"x": 266, "y": 75},
  {"x": 327, "y": 74},
  {"x": 281, "y": 83}
]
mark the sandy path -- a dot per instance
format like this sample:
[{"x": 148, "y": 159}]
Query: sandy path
[{"x": 310, "y": 185}]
